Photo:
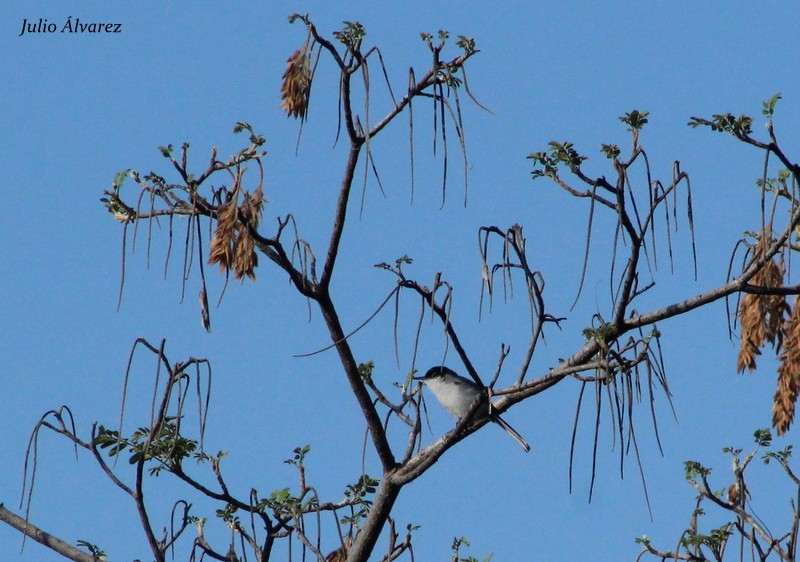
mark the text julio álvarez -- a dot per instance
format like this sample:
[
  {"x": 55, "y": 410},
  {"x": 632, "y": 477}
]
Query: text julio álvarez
[{"x": 71, "y": 26}]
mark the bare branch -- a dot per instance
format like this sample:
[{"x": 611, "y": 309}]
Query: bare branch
[{"x": 28, "y": 529}]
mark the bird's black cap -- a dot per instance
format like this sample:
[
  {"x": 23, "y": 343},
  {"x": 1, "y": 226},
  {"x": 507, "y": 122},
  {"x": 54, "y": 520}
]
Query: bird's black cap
[{"x": 434, "y": 372}]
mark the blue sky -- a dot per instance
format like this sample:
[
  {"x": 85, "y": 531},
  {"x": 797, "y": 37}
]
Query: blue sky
[{"x": 78, "y": 108}]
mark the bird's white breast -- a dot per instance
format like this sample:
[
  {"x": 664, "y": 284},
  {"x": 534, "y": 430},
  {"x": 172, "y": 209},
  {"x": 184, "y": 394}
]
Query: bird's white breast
[{"x": 456, "y": 396}]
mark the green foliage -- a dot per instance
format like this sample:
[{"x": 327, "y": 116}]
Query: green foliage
[
  {"x": 740, "y": 126},
  {"x": 735, "y": 452},
  {"x": 778, "y": 184},
  {"x": 299, "y": 455},
  {"x": 763, "y": 437},
  {"x": 204, "y": 457},
  {"x": 466, "y": 43},
  {"x": 487, "y": 558},
  {"x": 559, "y": 153},
  {"x": 167, "y": 446},
  {"x": 255, "y": 140},
  {"x": 458, "y": 542},
  {"x": 565, "y": 153},
  {"x": 356, "y": 495},
  {"x": 283, "y": 504},
  {"x": 610, "y": 151},
  {"x": 549, "y": 167},
  {"x": 351, "y": 34},
  {"x": 547, "y": 163},
  {"x": 365, "y": 371},
  {"x": 693, "y": 469},
  {"x": 119, "y": 178},
  {"x": 768, "y": 107},
  {"x": 109, "y": 439},
  {"x": 364, "y": 486},
  {"x": 446, "y": 72},
  {"x": 695, "y": 545},
  {"x": 113, "y": 203},
  {"x": 442, "y": 35},
  {"x": 398, "y": 265},
  {"x": 782, "y": 456},
  {"x": 227, "y": 514},
  {"x": 94, "y": 550},
  {"x": 635, "y": 120},
  {"x": 603, "y": 334},
  {"x": 715, "y": 541}
]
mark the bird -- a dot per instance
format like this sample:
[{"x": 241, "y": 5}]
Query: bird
[{"x": 457, "y": 394}]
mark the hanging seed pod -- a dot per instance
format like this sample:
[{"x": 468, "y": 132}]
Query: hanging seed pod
[
  {"x": 296, "y": 85},
  {"x": 761, "y": 316},
  {"x": 783, "y": 405},
  {"x": 222, "y": 245}
]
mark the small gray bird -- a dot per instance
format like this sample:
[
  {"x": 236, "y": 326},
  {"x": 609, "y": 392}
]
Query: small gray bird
[{"x": 457, "y": 394}]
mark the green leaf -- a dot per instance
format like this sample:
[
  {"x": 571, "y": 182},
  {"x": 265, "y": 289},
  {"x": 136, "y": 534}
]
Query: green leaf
[
  {"x": 781, "y": 456},
  {"x": 769, "y": 105},
  {"x": 726, "y": 123},
  {"x": 299, "y": 455},
  {"x": 635, "y": 120},
  {"x": 351, "y": 35},
  {"x": 242, "y": 126},
  {"x": 565, "y": 153},
  {"x": 119, "y": 178},
  {"x": 458, "y": 541},
  {"x": 467, "y": 44},
  {"x": 763, "y": 437},
  {"x": 365, "y": 370},
  {"x": 93, "y": 549},
  {"x": 610, "y": 151},
  {"x": 227, "y": 513},
  {"x": 694, "y": 469}
]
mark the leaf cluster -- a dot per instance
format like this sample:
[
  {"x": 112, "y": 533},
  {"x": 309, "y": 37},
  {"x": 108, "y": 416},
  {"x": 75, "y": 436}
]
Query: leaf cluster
[
  {"x": 351, "y": 35},
  {"x": 546, "y": 164},
  {"x": 740, "y": 126},
  {"x": 167, "y": 446},
  {"x": 357, "y": 495},
  {"x": 734, "y": 500}
]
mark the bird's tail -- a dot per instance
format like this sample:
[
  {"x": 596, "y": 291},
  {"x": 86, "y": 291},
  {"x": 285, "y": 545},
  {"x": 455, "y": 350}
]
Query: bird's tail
[{"x": 511, "y": 431}]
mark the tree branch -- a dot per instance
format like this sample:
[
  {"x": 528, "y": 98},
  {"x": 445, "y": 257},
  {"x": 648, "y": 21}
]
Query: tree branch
[
  {"x": 42, "y": 537},
  {"x": 340, "y": 216},
  {"x": 357, "y": 385},
  {"x": 379, "y": 513}
]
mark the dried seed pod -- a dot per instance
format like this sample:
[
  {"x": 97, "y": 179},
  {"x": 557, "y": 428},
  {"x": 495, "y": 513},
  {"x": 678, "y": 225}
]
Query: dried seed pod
[
  {"x": 761, "y": 316},
  {"x": 222, "y": 245},
  {"x": 296, "y": 85},
  {"x": 783, "y": 405},
  {"x": 233, "y": 247}
]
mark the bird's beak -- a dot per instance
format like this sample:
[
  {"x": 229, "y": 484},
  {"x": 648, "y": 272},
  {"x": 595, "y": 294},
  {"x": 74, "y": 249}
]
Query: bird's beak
[{"x": 418, "y": 378}]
